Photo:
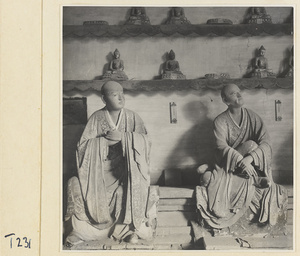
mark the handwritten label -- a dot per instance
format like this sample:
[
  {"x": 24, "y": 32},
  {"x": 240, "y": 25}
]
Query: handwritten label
[{"x": 18, "y": 241}]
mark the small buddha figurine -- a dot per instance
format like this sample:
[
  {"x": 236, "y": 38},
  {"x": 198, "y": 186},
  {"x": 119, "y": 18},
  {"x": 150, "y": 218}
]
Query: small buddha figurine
[
  {"x": 290, "y": 72},
  {"x": 258, "y": 15},
  {"x": 172, "y": 70},
  {"x": 260, "y": 67},
  {"x": 177, "y": 16},
  {"x": 261, "y": 61},
  {"x": 116, "y": 68},
  {"x": 138, "y": 17}
]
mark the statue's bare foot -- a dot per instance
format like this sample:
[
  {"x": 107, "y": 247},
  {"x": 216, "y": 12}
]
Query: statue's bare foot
[
  {"x": 221, "y": 232},
  {"x": 72, "y": 240},
  {"x": 262, "y": 182},
  {"x": 205, "y": 178},
  {"x": 133, "y": 238},
  {"x": 202, "y": 168}
]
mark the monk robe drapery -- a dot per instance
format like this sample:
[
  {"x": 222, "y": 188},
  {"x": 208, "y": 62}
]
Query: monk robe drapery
[
  {"x": 114, "y": 181},
  {"x": 228, "y": 196}
]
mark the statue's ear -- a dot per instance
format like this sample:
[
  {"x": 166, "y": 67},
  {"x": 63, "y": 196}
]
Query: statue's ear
[
  {"x": 225, "y": 101},
  {"x": 103, "y": 99}
]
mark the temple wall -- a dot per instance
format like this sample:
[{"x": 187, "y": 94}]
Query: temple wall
[
  {"x": 188, "y": 143},
  {"x": 143, "y": 57}
]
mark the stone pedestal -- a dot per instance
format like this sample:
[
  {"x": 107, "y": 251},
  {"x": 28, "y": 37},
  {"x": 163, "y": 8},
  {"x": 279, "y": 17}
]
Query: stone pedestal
[
  {"x": 173, "y": 75},
  {"x": 263, "y": 73},
  {"x": 115, "y": 75}
]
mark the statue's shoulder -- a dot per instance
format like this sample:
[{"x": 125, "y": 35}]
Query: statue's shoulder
[
  {"x": 98, "y": 114},
  {"x": 221, "y": 118},
  {"x": 131, "y": 114},
  {"x": 252, "y": 114}
]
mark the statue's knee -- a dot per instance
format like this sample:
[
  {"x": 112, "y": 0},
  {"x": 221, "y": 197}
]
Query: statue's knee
[
  {"x": 205, "y": 174},
  {"x": 205, "y": 178},
  {"x": 202, "y": 168},
  {"x": 73, "y": 183},
  {"x": 247, "y": 147}
]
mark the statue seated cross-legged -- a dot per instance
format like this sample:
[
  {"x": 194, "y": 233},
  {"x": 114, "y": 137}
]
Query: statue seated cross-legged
[
  {"x": 258, "y": 15},
  {"x": 177, "y": 16},
  {"x": 237, "y": 193},
  {"x": 260, "y": 67},
  {"x": 172, "y": 69},
  {"x": 116, "y": 68},
  {"x": 138, "y": 16}
]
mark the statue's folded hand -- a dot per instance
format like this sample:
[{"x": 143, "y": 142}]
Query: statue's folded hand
[
  {"x": 246, "y": 161},
  {"x": 249, "y": 169},
  {"x": 113, "y": 135}
]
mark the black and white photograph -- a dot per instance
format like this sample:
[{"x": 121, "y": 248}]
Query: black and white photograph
[{"x": 177, "y": 128}]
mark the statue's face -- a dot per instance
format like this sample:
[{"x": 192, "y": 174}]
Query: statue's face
[
  {"x": 177, "y": 12},
  {"x": 172, "y": 56},
  {"x": 138, "y": 11},
  {"x": 257, "y": 10},
  {"x": 262, "y": 52},
  {"x": 233, "y": 96},
  {"x": 117, "y": 55},
  {"x": 114, "y": 98}
]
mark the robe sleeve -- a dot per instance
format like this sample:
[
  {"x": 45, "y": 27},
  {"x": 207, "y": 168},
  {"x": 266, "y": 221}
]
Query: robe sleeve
[
  {"x": 143, "y": 143},
  {"x": 91, "y": 150},
  {"x": 136, "y": 127},
  {"x": 90, "y": 133},
  {"x": 89, "y": 146},
  {"x": 227, "y": 157},
  {"x": 136, "y": 148},
  {"x": 262, "y": 154}
]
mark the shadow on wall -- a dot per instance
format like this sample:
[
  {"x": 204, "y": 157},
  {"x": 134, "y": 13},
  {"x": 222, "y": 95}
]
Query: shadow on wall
[
  {"x": 247, "y": 15},
  {"x": 109, "y": 58},
  {"x": 251, "y": 64},
  {"x": 162, "y": 66},
  {"x": 284, "y": 160},
  {"x": 196, "y": 145},
  {"x": 284, "y": 64}
]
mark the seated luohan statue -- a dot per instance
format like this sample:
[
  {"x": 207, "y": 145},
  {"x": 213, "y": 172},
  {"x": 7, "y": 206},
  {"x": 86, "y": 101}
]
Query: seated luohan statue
[
  {"x": 238, "y": 186},
  {"x": 111, "y": 196},
  {"x": 260, "y": 67},
  {"x": 177, "y": 16},
  {"x": 172, "y": 69},
  {"x": 116, "y": 68},
  {"x": 138, "y": 16}
]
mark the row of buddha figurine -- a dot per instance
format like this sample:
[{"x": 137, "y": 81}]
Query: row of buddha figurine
[
  {"x": 171, "y": 69},
  {"x": 138, "y": 16}
]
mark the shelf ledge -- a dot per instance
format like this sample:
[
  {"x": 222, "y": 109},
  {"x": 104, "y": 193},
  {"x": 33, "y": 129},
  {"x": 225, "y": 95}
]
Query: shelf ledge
[
  {"x": 181, "y": 85},
  {"x": 176, "y": 30}
]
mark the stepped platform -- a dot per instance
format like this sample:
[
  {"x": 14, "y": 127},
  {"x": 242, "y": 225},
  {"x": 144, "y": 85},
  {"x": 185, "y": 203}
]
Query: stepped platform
[{"x": 177, "y": 215}]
